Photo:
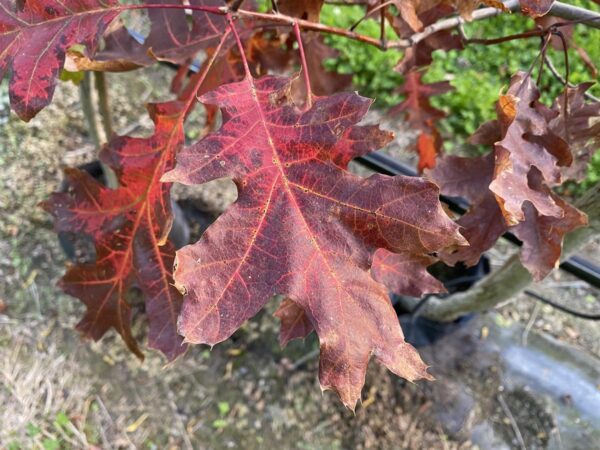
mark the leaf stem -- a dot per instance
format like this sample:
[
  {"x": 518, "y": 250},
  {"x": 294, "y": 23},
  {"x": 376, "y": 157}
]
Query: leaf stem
[
  {"x": 239, "y": 45},
  {"x": 304, "y": 65},
  {"x": 370, "y": 13},
  {"x": 190, "y": 92}
]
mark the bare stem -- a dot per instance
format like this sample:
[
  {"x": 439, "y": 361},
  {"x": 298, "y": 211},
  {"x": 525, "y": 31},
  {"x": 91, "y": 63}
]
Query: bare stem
[
  {"x": 370, "y": 13},
  {"x": 190, "y": 92},
  {"x": 560, "y": 78},
  {"x": 304, "y": 65},
  {"x": 87, "y": 106},
  {"x": 239, "y": 45},
  {"x": 104, "y": 103}
]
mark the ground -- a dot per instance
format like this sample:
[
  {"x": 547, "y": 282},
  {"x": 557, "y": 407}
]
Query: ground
[{"x": 57, "y": 391}]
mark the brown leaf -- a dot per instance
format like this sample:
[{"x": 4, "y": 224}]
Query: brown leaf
[
  {"x": 35, "y": 38},
  {"x": 579, "y": 127},
  {"x": 483, "y": 223},
  {"x": 527, "y": 141},
  {"x": 536, "y": 8},
  {"x": 542, "y": 236}
]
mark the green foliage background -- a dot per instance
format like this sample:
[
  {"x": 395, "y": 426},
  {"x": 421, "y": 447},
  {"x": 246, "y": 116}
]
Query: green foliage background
[{"x": 478, "y": 73}]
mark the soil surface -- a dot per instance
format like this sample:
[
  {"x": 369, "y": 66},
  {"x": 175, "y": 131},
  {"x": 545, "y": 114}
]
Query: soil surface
[{"x": 57, "y": 391}]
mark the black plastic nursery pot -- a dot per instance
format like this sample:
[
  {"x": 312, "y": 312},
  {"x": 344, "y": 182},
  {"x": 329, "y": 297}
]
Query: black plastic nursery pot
[{"x": 421, "y": 332}]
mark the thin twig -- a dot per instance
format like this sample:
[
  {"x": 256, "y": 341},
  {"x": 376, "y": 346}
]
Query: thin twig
[
  {"x": 513, "y": 422},
  {"x": 239, "y": 45},
  {"x": 104, "y": 103},
  {"x": 303, "y": 359},
  {"x": 370, "y": 13},
  {"x": 560, "y": 78},
  {"x": 558, "y": 9},
  {"x": 87, "y": 106}
]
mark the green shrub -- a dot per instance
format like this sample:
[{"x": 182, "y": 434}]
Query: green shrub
[{"x": 478, "y": 73}]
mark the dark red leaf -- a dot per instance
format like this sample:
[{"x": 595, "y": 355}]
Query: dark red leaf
[
  {"x": 579, "y": 127},
  {"x": 420, "y": 54},
  {"x": 33, "y": 42},
  {"x": 422, "y": 116},
  {"x": 129, "y": 226},
  {"x": 483, "y": 224},
  {"x": 304, "y": 228}
]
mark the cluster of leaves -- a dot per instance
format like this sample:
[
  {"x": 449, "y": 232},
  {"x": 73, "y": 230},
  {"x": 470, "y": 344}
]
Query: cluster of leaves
[{"x": 331, "y": 242}]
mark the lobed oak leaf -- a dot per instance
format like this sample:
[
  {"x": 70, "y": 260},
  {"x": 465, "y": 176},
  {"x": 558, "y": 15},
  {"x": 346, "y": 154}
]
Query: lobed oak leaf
[
  {"x": 129, "y": 226},
  {"x": 303, "y": 227},
  {"x": 520, "y": 172},
  {"x": 421, "y": 115},
  {"x": 527, "y": 141},
  {"x": 542, "y": 236},
  {"x": 175, "y": 36},
  {"x": 483, "y": 223},
  {"x": 35, "y": 38}
]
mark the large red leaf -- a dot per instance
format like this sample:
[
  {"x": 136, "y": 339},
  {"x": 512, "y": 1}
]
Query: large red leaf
[
  {"x": 303, "y": 227},
  {"x": 33, "y": 42},
  {"x": 129, "y": 226}
]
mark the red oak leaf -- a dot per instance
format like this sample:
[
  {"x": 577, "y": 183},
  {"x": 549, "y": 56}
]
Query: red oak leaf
[
  {"x": 417, "y": 107},
  {"x": 527, "y": 141},
  {"x": 304, "y": 228},
  {"x": 33, "y": 42},
  {"x": 483, "y": 223},
  {"x": 421, "y": 115},
  {"x": 175, "y": 36},
  {"x": 129, "y": 226},
  {"x": 542, "y": 236}
]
